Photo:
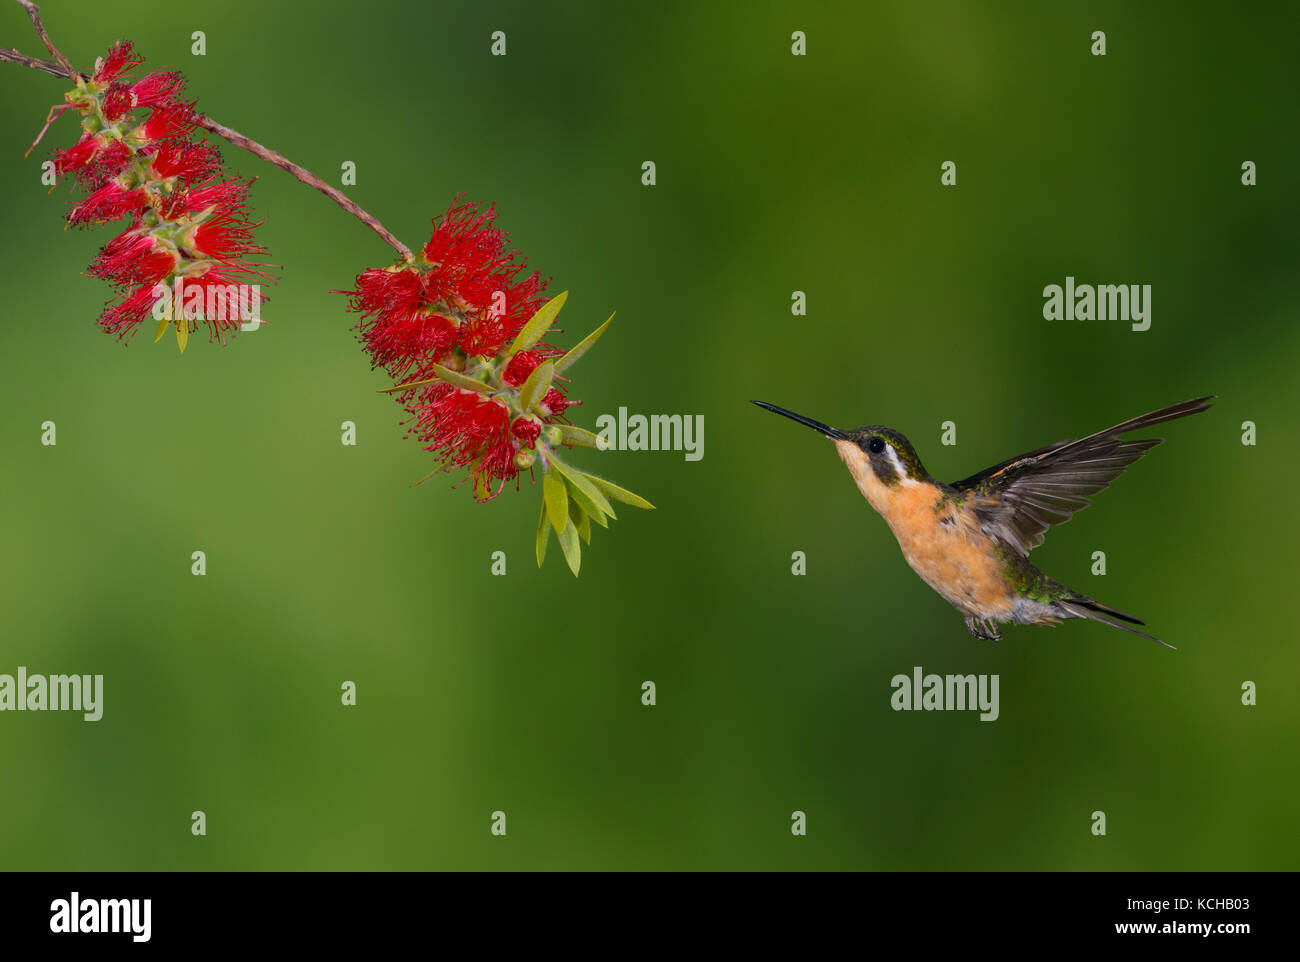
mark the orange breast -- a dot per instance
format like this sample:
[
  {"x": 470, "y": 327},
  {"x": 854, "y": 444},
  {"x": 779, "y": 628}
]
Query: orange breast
[
  {"x": 950, "y": 553},
  {"x": 945, "y": 547}
]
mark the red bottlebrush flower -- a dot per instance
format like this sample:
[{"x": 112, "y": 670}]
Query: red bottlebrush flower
[
  {"x": 520, "y": 366},
  {"x": 556, "y": 403},
  {"x": 190, "y": 229},
  {"x": 496, "y": 464},
  {"x": 527, "y": 430},
  {"x": 168, "y": 120},
  {"x": 78, "y": 155},
  {"x": 403, "y": 345},
  {"x": 110, "y": 202},
  {"x": 443, "y": 320},
  {"x": 133, "y": 259},
  {"x": 482, "y": 336},
  {"x": 120, "y": 59},
  {"x": 461, "y": 425},
  {"x": 189, "y": 161},
  {"x": 124, "y": 317},
  {"x": 107, "y": 163},
  {"x": 471, "y": 267},
  {"x": 395, "y": 293},
  {"x": 158, "y": 88},
  {"x": 226, "y": 301},
  {"x": 226, "y": 196},
  {"x": 224, "y": 236}
]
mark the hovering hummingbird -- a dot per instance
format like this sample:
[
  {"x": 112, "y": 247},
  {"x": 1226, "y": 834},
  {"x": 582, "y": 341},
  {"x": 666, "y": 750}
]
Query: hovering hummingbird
[{"x": 970, "y": 540}]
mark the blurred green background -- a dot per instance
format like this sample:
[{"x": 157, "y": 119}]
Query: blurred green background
[{"x": 522, "y": 693}]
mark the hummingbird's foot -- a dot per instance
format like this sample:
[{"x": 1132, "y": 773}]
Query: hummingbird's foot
[{"x": 983, "y": 628}]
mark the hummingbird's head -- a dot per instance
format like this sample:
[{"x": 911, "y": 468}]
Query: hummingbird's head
[{"x": 879, "y": 458}]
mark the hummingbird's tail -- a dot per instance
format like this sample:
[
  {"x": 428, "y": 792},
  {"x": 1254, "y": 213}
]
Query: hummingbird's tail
[{"x": 1081, "y": 606}]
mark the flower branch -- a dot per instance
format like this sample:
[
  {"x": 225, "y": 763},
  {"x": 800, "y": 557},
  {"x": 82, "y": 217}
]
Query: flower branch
[{"x": 459, "y": 325}]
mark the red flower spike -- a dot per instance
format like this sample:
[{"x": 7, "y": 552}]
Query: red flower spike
[
  {"x": 189, "y": 223},
  {"x": 121, "y": 58},
  {"x": 444, "y": 320}
]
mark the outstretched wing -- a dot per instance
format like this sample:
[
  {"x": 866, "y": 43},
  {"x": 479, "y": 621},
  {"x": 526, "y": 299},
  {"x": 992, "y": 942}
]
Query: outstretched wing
[{"x": 1019, "y": 499}]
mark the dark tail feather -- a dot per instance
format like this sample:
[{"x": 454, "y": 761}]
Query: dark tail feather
[{"x": 1087, "y": 608}]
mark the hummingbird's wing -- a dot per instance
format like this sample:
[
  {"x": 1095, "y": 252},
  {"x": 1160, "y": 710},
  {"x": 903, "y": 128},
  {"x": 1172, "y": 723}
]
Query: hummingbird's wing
[{"x": 1019, "y": 499}]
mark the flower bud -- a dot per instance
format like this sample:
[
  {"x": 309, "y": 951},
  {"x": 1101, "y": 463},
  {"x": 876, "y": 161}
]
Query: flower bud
[{"x": 520, "y": 367}]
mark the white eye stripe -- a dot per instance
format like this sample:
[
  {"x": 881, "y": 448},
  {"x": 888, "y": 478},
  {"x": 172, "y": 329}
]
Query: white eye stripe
[
  {"x": 899, "y": 470},
  {"x": 893, "y": 459}
]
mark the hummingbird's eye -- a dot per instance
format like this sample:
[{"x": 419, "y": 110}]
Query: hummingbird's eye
[{"x": 875, "y": 445}]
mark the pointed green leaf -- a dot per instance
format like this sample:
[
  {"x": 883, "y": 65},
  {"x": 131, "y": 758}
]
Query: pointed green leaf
[
  {"x": 586, "y": 503},
  {"x": 535, "y": 388},
  {"x": 572, "y": 549},
  {"x": 539, "y": 324},
  {"x": 576, "y": 479},
  {"x": 543, "y": 535},
  {"x": 583, "y": 346},
  {"x": 581, "y": 519},
  {"x": 416, "y": 484},
  {"x": 557, "y": 499},
  {"x": 162, "y": 329},
  {"x": 583, "y": 438},
  {"x": 619, "y": 494},
  {"x": 182, "y": 334},
  {"x": 447, "y": 375}
]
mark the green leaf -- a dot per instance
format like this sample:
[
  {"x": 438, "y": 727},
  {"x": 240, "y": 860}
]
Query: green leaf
[
  {"x": 587, "y": 504},
  {"x": 543, "y": 535},
  {"x": 557, "y": 500},
  {"x": 581, "y": 519},
  {"x": 583, "y": 346},
  {"x": 182, "y": 334},
  {"x": 582, "y": 437},
  {"x": 446, "y": 375},
  {"x": 535, "y": 388},
  {"x": 576, "y": 479},
  {"x": 539, "y": 324},
  {"x": 572, "y": 549},
  {"x": 620, "y": 494},
  {"x": 162, "y": 329},
  {"x": 416, "y": 484}
]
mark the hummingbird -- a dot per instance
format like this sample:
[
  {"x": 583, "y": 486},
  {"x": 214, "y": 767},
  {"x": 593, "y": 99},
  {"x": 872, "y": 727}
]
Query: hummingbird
[{"x": 970, "y": 540}]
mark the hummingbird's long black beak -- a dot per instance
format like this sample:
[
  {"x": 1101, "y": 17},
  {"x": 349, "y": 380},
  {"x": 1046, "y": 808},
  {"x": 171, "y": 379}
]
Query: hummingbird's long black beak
[{"x": 833, "y": 433}]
